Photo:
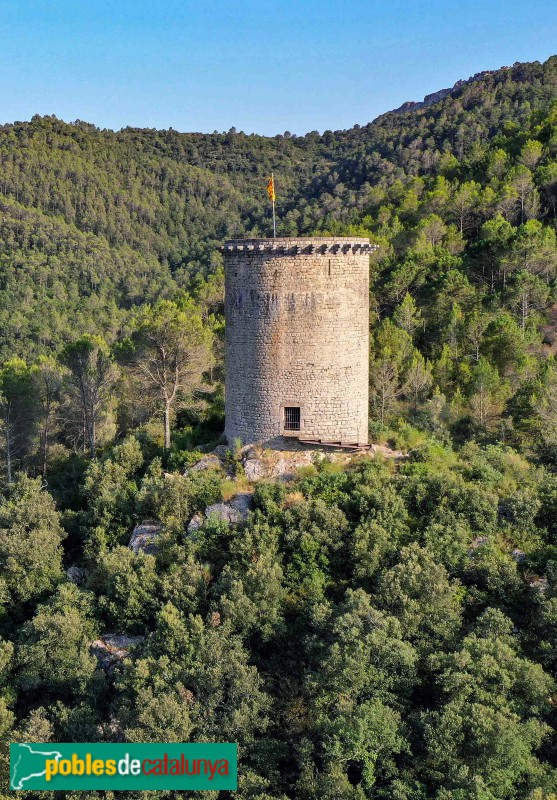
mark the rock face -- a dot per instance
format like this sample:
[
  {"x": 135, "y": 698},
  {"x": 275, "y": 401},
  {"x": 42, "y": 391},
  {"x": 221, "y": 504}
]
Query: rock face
[
  {"x": 435, "y": 97},
  {"x": 277, "y": 464},
  {"x": 112, "y": 648},
  {"x": 233, "y": 511},
  {"x": 144, "y": 537}
]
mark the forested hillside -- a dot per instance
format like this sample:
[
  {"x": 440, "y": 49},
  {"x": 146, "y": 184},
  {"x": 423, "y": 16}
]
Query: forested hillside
[{"x": 386, "y": 629}]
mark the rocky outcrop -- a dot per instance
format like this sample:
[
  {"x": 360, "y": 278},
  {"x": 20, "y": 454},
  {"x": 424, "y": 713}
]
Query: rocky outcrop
[
  {"x": 274, "y": 464},
  {"x": 232, "y": 511},
  {"x": 283, "y": 464},
  {"x": 435, "y": 97},
  {"x": 112, "y": 648},
  {"x": 280, "y": 459},
  {"x": 144, "y": 537},
  {"x": 386, "y": 452},
  {"x": 210, "y": 461}
]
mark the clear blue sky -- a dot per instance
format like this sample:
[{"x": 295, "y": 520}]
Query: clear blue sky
[{"x": 265, "y": 67}]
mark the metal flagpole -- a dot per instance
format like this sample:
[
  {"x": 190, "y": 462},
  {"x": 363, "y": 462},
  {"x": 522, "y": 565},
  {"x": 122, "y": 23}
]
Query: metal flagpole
[{"x": 274, "y": 220}]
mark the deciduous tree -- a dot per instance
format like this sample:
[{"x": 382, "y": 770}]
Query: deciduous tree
[{"x": 170, "y": 349}]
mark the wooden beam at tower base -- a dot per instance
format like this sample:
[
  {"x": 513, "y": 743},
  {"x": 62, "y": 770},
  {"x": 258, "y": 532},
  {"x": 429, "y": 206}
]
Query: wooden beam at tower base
[{"x": 336, "y": 445}]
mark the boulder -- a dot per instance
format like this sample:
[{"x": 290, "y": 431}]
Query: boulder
[
  {"x": 242, "y": 503},
  {"x": 144, "y": 537},
  {"x": 221, "y": 450},
  {"x": 210, "y": 461},
  {"x": 232, "y": 511},
  {"x": 76, "y": 575},
  {"x": 195, "y": 523},
  {"x": 112, "y": 648}
]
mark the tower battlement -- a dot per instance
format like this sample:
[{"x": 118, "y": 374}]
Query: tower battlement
[{"x": 321, "y": 245}]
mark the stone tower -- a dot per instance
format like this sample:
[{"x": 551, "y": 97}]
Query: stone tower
[{"x": 297, "y": 339}]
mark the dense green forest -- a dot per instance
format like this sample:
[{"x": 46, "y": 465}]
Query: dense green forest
[{"x": 383, "y": 629}]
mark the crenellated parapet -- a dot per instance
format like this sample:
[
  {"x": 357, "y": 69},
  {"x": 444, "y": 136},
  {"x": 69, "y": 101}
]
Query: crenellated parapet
[{"x": 299, "y": 246}]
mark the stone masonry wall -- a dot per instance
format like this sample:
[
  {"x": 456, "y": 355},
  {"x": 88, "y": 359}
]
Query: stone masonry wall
[{"x": 297, "y": 334}]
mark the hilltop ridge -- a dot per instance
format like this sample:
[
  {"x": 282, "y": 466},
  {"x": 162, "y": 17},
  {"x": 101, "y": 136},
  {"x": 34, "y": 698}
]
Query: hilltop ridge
[{"x": 440, "y": 94}]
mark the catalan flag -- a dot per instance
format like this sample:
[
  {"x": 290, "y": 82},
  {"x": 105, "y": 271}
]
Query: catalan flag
[{"x": 271, "y": 188}]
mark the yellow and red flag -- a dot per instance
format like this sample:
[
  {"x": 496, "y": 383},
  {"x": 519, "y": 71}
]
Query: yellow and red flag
[{"x": 271, "y": 188}]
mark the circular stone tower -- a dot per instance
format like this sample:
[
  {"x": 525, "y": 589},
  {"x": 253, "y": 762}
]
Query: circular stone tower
[{"x": 297, "y": 339}]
